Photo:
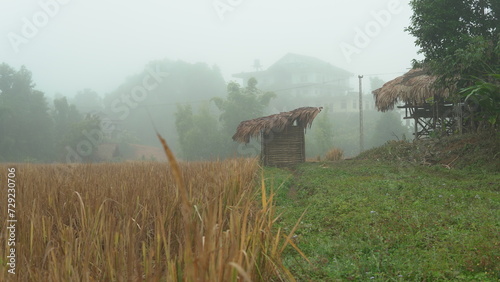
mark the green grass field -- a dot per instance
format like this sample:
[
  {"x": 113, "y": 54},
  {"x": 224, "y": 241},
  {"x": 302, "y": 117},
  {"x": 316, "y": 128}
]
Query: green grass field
[{"x": 369, "y": 219}]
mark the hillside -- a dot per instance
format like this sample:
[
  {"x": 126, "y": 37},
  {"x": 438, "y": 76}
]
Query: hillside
[{"x": 473, "y": 151}]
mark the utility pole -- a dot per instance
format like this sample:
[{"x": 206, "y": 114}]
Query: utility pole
[{"x": 361, "y": 137}]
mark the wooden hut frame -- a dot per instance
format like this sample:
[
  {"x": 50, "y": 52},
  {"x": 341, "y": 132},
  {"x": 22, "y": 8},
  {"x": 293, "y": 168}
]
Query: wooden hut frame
[
  {"x": 282, "y": 135},
  {"x": 426, "y": 104}
]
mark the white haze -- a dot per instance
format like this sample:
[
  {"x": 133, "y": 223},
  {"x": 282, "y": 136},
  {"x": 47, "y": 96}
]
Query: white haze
[{"x": 97, "y": 44}]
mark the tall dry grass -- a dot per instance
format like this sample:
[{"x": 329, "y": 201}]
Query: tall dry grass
[
  {"x": 210, "y": 221},
  {"x": 334, "y": 154}
]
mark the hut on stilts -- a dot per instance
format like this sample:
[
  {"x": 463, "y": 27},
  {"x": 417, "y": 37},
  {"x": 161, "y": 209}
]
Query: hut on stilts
[
  {"x": 426, "y": 104},
  {"x": 281, "y": 135}
]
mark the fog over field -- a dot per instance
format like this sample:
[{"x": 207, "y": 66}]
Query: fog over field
[
  {"x": 72, "y": 45},
  {"x": 172, "y": 64}
]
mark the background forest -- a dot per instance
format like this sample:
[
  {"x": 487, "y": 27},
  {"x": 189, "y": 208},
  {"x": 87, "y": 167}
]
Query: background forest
[{"x": 190, "y": 104}]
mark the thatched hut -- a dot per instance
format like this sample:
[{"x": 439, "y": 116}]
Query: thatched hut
[
  {"x": 282, "y": 135},
  {"x": 422, "y": 101}
]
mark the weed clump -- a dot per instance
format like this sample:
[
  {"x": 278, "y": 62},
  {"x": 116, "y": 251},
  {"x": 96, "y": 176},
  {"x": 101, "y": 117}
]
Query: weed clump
[{"x": 334, "y": 154}]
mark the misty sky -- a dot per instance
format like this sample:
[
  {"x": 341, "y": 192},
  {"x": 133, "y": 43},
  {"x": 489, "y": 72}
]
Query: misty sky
[{"x": 70, "y": 45}]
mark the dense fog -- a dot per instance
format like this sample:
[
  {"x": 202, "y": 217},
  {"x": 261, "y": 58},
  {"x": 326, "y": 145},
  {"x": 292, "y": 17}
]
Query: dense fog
[{"x": 90, "y": 81}]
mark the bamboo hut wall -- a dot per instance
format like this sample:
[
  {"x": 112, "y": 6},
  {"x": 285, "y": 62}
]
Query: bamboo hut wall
[{"x": 284, "y": 148}]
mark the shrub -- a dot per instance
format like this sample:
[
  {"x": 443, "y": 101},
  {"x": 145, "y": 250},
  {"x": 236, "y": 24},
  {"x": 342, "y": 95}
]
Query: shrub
[{"x": 334, "y": 154}]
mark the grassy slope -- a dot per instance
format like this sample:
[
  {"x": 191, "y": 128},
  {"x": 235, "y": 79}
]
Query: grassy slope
[
  {"x": 391, "y": 220},
  {"x": 472, "y": 151}
]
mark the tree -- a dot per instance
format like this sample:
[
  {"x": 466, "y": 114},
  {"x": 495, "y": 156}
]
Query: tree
[
  {"x": 388, "y": 127},
  {"x": 82, "y": 139},
  {"x": 376, "y": 82},
  {"x": 199, "y": 136},
  {"x": 65, "y": 117},
  {"x": 152, "y": 96},
  {"x": 320, "y": 140},
  {"x": 87, "y": 101},
  {"x": 461, "y": 47},
  {"x": 25, "y": 123},
  {"x": 458, "y": 43},
  {"x": 202, "y": 137},
  {"x": 485, "y": 96},
  {"x": 241, "y": 104}
]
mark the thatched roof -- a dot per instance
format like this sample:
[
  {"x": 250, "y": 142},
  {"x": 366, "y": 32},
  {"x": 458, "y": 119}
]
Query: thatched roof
[
  {"x": 414, "y": 87},
  {"x": 303, "y": 117}
]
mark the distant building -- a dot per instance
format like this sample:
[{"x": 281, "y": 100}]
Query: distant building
[{"x": 303, "y": 80}]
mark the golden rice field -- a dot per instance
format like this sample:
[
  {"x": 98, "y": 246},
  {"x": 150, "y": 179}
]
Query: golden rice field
[{"x": 207, "y": 221}]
